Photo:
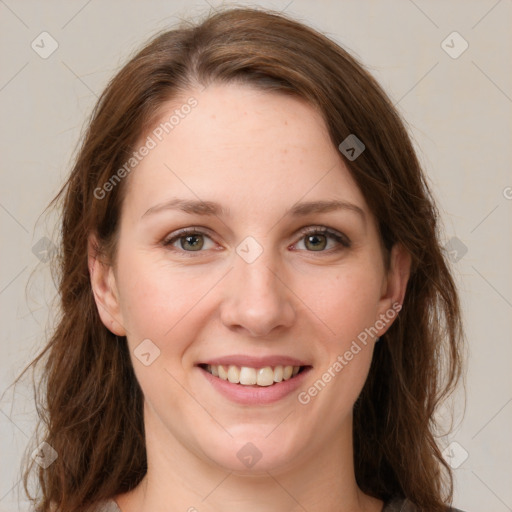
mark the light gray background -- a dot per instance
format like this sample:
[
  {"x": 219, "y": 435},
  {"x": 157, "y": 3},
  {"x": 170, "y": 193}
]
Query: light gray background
[{"x": 458, "y": 111}]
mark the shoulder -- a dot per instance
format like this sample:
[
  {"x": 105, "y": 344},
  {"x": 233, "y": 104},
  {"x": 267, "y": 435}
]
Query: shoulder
[{"x": 405, "y": 505}]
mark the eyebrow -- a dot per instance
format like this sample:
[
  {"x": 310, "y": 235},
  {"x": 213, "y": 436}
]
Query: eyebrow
[{"x": 211, "y": 208}]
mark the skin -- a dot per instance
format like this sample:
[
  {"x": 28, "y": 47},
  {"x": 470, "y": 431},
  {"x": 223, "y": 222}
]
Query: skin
[{"x": 257, "y": 154}]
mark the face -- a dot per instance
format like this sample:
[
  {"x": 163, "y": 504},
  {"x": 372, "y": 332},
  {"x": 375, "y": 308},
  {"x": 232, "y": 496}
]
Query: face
[{"x": 280, "y": 265}]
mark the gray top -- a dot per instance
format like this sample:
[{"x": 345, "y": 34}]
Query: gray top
[
  {"x": 404, "y": 505},
  {"x": 396, "y": 505},
  {"x": 106, "y": 506}
]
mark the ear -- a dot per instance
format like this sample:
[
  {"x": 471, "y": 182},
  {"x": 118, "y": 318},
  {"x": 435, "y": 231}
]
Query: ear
[
  {"x": 394, "y": 286},
  {"x": 103, "y": 284}
]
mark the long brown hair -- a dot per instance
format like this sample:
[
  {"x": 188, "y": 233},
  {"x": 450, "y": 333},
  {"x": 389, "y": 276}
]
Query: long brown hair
[{"x": 89, "y": 401}]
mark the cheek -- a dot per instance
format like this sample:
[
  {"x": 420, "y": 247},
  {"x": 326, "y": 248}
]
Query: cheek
[
  {"x": 348, "y": 305},
  {"x": 348, "y": 300},
  {"x": 161, "y": 304},
  {"x": 159, "y": 301},
  {"x": 158, "y": 298}
]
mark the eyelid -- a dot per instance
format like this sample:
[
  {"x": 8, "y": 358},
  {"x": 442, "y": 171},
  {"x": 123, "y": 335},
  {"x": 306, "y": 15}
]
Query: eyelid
[{"x": 191, "y": 230}]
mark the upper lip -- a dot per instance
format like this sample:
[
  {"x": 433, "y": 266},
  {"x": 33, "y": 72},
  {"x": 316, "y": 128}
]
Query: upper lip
[{"x": 253, "y": 361}]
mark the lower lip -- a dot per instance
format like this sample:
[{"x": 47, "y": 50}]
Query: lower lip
[{"x": 255, "y": 395}]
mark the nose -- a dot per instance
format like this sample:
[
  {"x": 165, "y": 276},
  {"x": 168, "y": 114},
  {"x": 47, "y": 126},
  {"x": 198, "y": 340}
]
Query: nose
[{"x": 257, "y": 298}]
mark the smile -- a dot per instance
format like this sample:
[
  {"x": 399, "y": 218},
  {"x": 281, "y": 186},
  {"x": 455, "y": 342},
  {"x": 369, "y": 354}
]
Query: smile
[
  {"x": 247, "y": 376},
  {"x": 251, "y": 386}
]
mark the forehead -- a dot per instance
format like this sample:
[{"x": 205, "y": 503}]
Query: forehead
[{"x": 240, "y": 145}]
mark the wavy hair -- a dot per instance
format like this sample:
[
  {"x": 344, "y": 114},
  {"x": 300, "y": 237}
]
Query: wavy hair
[{"x": 89, "y": 401}]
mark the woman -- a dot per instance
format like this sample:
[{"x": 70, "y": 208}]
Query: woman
[{"x": 256, "y": 310}]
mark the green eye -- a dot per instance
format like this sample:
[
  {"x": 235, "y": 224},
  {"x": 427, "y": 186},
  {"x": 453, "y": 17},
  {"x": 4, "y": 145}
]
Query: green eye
[
  {"x": 194, "y": 242},
  {"x": 317, "y": 240},
  {"x": 189, "y": 240}
]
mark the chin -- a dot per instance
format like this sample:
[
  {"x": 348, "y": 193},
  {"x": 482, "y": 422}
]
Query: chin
[{"x": 253, "y": 449}]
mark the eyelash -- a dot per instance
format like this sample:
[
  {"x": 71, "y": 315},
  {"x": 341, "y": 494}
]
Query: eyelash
[{"x": 341, "y": 239}]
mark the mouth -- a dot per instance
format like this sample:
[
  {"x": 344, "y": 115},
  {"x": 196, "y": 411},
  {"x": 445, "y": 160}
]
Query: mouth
[
  {"x": 246, "y": 376},
  {"x": 251, "y": 380}
]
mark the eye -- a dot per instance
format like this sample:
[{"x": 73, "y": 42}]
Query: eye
[
  {"x": 189, "y": 240},
  {"x": 313, "y": 239},
  {"x": 317, "y": 239}
]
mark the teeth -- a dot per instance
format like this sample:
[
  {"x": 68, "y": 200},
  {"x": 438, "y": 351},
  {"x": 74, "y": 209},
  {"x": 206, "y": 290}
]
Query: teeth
[
  {"x": 223, "y": 374},
  {"x": 247, "y": 376},
  {"x": 287, "y": 372},
  {"x": 265, "y": 376},
  {"x": 234, "y": 374},
  {"x": 253, "y": 376},
  {"x": 278, "y": 374}
]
